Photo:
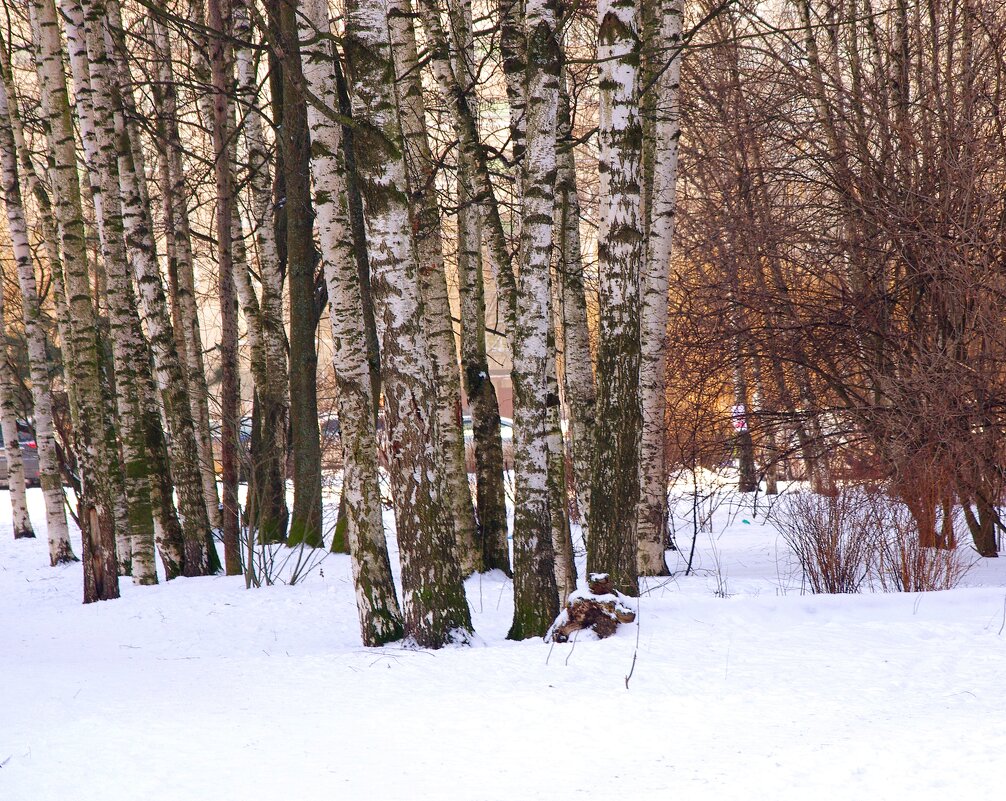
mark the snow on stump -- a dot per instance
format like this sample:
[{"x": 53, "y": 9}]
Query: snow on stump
[{"x": 599, "y": 609}]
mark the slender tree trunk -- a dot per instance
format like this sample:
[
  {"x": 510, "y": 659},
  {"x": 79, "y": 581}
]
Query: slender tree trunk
[
  {"x": 96, "y": 503},
  {"x": 473, "y": 153},
  {"x": 664, "y": 43},
  {"x": 490, "y": 492},
  {"x": 181, "y": 262},
  {"x": 380, "y": 618},
  {"x": 420, "y": 168},
  {"x": 578, "y": 371},
  {"x": 218, "y": 21},
  {"x": 267, "y": 491},
  {"x": 615, "y": 485},
  {"x": 38, "y": 359},
  {"x": 436, "y": 610},
  {"x": 12, "y": 449},
  {"x": 171, "y": 379},
  {"x": 535, "y": 594}
]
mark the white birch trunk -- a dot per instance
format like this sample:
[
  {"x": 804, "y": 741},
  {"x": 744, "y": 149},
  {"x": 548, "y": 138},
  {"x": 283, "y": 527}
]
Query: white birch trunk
[
  {"x": 89, "y": 65},
  {"x": 179, "y": 243},
  {"x": 615, "y": 482},
  {"x": 433, "y": 279},
  {"x": 436, "y": 610},
  {"x": 97, "y": 504},
  {"x": 21, "y": 522},
  {"x": 535, "y": 594},
  {"x": 377, "y": 604},
  {"x": 652, "y": 514},
  {"x": 38, "y": 359},
  {"x": 171, "y": 380},
  {"x": 578, "y": 369}
]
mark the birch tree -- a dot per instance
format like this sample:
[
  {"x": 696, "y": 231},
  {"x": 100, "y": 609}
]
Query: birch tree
[
  {"x": 377, "y": 604},
  {"x": 436, "y": 610},
  {"x": 95, "y": 512},
  {"x": 21, "y": 522},
  {"x": 535, "y": 594},
  {"x": 420, "y": 168},
  {"x": 38, "y": 359},
  {"x": 615, "y": 471},
  {"x": 664, "y": 45}
]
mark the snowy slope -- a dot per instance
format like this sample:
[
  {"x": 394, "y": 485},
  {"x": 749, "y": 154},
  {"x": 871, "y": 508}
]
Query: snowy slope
[{"x": 200, "y": 689}]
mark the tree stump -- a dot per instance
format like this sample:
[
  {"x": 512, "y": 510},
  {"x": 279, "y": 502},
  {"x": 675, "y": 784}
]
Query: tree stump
[{"x": 599, "y": 609}]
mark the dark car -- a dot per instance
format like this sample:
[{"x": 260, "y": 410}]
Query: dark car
[{"x": 29, "y": 455}]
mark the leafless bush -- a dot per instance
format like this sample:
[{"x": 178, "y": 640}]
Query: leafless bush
[
  {"x": 863, "y": 535},
  {"x": 831, "y": 536},
  {"x": 902, "y": 564}
]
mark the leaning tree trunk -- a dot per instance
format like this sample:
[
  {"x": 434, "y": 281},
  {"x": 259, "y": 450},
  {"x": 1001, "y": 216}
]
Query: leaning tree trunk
[
  {"x": 38, "y": 359},
  {"x": 377, "y": 604},
  {"x": 436, "y": 610},
  {"x": 651, "y": 523},
  {"x": 96, "y": 462},
  {"x": 420, "y": 166},
  {"x": 535, "y": 594},
  {"x": 614, "y": 491}
]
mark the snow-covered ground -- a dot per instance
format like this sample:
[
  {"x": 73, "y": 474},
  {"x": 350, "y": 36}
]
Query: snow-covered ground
[{"x": 741, "y": 687}]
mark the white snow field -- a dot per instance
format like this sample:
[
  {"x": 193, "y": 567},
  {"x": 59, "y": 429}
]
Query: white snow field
[{"x": 742, "y": 688}]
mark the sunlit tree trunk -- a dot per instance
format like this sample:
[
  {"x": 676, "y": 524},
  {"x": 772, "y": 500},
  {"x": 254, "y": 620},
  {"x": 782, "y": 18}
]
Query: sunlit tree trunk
[
  {"x": 420, "y": 168},
  {"x": 21, "y": 522},
  {"x": 436, "y": 610},
  {"x": 96, "y": 504},
  {"x": 577, "y": 369},
  {"x": 178, "y": 238},
  {"x": 377, "y": 604},
  {"x": 614, "y": 492},
  {"x": 38, "y": 359},
  {"x": 535, "y": 594},
  {"x": 664, "y": 43},
  {"x": 264, "y": 318}
]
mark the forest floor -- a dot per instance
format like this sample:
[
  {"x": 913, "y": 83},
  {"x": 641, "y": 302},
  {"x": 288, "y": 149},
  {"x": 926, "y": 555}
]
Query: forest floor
[{"x": 742, "y": 687}]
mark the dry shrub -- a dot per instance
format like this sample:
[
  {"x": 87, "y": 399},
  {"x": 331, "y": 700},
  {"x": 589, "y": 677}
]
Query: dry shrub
[
  {"x": 832, "y": 537},
  {"x": 863, "y": 535},
  {"x": 902, "y": 564}
]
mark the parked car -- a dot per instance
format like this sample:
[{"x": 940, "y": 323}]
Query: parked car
[
  {"x": 29, "y": 455},
  {"x": 506, "y": 435}
]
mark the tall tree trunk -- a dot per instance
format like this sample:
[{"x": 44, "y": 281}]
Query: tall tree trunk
[
  {"x": 421, "y": 168},
  {"x": 535, "y": 594},
  {"x": 200, "y": 556},
  {"x": 377, "y": 604},
  {"x": 305, "y": 518},
  {"x": 21, "y": 522},
  {"x": 181, "y": 261},
  {"x": 490, "y": 492},
  {"x": 614, "y": 490},
  {"x": 436, "y": 610},
  {"x": 577, "y": 368},
  {"x": 38, "y": 359},
  {"x": 96, "y": 502},
  {"x": 663, "y": 43},
  {"x": 267, "y": 489},
  {"x": 218, "y": 21},
  {"x": 91, "y": 67}
]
